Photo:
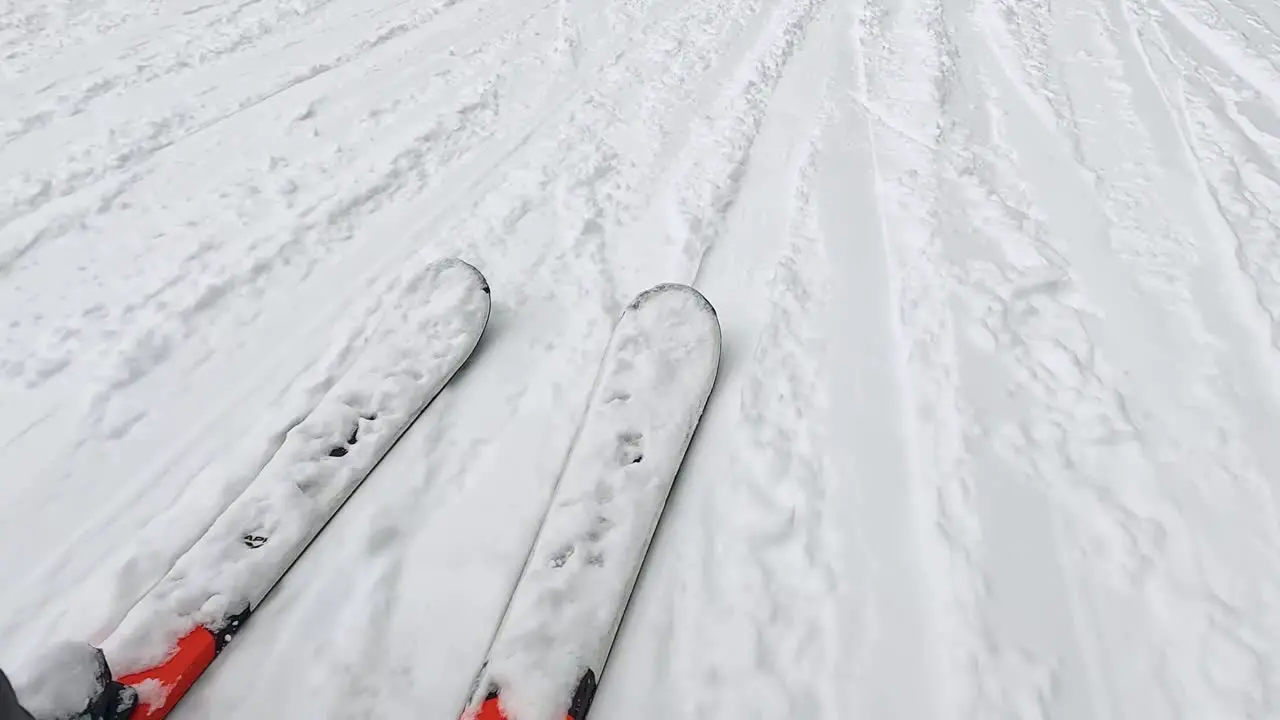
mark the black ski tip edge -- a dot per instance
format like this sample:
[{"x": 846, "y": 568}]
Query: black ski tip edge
[
  {"x": 582, "y": 696},
  {"x": 668, "y": 287},
  {"x": 481, "y": 280},
  {"x": 459, "y": 262}
]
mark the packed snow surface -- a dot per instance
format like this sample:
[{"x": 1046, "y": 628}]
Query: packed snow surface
[{"x": 994, "y": 431}]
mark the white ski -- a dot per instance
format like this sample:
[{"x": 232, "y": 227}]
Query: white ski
[
  {"x": 552, "y": 644},
  {"x": 172, "y": 634}
]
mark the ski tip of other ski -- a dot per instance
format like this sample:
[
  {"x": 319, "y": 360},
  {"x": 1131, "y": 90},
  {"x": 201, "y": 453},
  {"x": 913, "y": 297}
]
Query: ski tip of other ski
[
  {"x": 452, "y": 262},
  {"x": 669, "y": 288}
]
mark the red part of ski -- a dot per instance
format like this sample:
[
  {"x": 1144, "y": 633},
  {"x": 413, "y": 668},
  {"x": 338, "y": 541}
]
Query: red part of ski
[
  {"x": 174, "y": 677},
  {"x": 490, "y": 710}
]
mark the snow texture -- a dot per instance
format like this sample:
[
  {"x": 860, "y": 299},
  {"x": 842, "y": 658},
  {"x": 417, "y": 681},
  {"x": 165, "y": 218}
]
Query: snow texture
[
  {"x": 994, "y": 428},
  {"x": 657, "y": 373},
  {"x": 60, "y": 680},
  {"x": 419, "y": 344},
  {"x": 152, "y": 692}
]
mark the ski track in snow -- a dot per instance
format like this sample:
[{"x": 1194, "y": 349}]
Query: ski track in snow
[{"x": 999, "y": 287}]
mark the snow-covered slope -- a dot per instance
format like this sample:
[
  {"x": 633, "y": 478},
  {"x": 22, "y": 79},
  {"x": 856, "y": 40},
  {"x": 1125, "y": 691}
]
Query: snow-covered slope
[{"x": 998, "y": 280}]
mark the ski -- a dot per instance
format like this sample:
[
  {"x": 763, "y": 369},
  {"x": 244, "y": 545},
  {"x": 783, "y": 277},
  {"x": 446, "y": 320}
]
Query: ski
[
  {"x": 177, "y": 629},
  {"x": 552, "y": 643}
]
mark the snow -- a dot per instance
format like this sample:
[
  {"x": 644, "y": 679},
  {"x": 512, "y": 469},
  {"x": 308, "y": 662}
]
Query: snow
[
  {"x": 658, "y": 371},
  {"x": 56, "y": 680},
  {"x": 992, "y": 433},
  {"x": 152, "y": 692}
]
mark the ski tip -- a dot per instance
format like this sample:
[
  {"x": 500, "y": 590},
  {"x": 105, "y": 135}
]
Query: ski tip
[
  {"x": 662, "y": 289},
  {"x": 455, "y": 262}
]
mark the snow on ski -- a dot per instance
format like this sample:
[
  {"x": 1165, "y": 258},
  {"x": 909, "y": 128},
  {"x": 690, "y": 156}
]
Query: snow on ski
[
  {"x": 174, "y": 632},
  {"x": 551, "y": 645}
]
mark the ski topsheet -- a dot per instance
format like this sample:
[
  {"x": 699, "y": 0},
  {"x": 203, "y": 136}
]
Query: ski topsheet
[
  {"x": 172, "y": 634},
  {"x": 653, "y": 384}
]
